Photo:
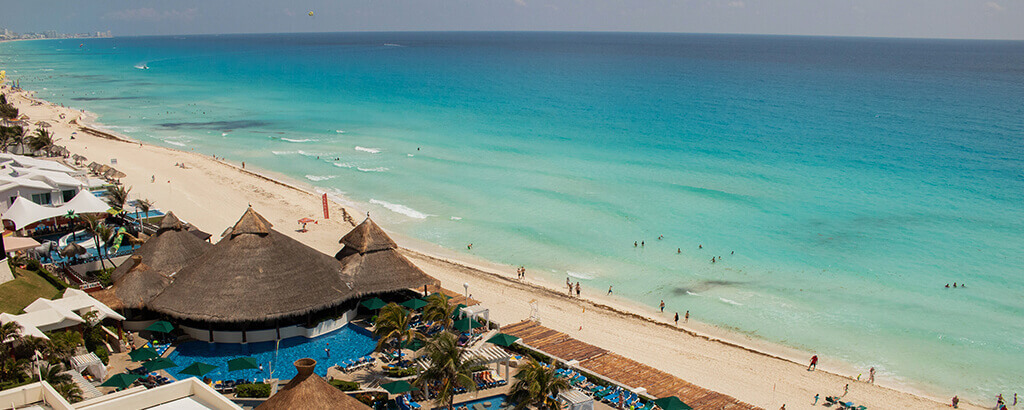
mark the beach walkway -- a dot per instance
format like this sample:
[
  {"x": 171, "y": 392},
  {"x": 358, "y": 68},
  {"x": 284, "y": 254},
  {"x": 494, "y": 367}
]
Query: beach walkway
[
  {"x": 456, "y": 298},
  {"x": 618, "y": 368}
]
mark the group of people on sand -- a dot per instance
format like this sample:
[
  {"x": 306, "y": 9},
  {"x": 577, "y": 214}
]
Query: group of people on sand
[
  {"x": 568, "y": 283},
  {"x": 521, "y": 273}
]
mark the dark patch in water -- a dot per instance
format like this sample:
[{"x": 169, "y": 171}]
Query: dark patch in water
[
  {"x": 214, "y": 125},
  {"x": 104, "y": 98},
  {"x": 703, "y": 286}
]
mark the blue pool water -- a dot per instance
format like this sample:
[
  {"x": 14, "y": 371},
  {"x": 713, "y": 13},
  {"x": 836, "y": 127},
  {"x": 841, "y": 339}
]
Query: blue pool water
[
  {"x": 496, "y": 402},
  {"x": 349, "y": 342}
]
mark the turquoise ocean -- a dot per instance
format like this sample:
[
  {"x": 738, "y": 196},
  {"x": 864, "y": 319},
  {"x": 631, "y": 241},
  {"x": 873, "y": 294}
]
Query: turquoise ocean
[{"x": 853, "y": 178}]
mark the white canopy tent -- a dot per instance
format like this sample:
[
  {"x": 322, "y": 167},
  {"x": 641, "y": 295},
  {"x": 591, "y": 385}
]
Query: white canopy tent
[{"x": 25, "y": 212}]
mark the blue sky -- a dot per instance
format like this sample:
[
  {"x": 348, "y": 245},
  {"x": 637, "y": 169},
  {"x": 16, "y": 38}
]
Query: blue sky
[{"x": 994, "y": 19}]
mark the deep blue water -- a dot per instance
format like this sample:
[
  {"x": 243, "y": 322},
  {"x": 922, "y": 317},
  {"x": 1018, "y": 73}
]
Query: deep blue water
[{"x": 853, "y": 178}]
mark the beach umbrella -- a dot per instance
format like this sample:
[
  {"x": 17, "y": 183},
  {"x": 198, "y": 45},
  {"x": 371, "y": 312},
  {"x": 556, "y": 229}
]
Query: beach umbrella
[
  {"x": 373, "y": 304},
  {"x": 466, "y": 324},
  {"x": 398, "y": 387},
  {"x": 242, "y": 363},
  {"x": 414, "y": 304},
  {"x": 161, "y": 326},
  {"x": 72, "y": 249},
  {"x": 142, "y": 354},
  {"x": 199, "y": 369},
  {"x": 307, "y": 220},
  {"x": 158, "y": 364},
  {"x": 121, "y": 380},
  {"x": 502, "y": 339},
  {"x": 458, "y": 311},
  {"x": 672, "y": 403}
]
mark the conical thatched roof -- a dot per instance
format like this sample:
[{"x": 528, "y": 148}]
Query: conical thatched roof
[
  {"x": 254, "y": 273},
  {"x": 310, "y": 391},
  {"x": 373, "y": 262},
  {"x": 135, "y": 288},
  {"x": 367, "y": 237},
  {"x": 168, "y": 251}
]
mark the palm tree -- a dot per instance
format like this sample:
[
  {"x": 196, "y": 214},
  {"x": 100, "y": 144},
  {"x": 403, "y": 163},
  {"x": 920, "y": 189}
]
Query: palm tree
[
  {"x": 394, "y": 322},
  {"x": 536, "y": 385},
  {"x": 69, "y": 391},
  {"x": 94, "y": 227},
  {"x": 450, "y": 367},
  {"x": 10, "y": 333},
  {"x": 117, "y": 196},
  {"x": 7, "y": 136},
  {"x": 143, "y": 205},
  {"x": 18, "y": 139},
  {"x": 54, "y": 374},
  {"x": 62, "y": 345},
  {"x": 439, "y": 311},
  {"x": 11, "y": 368},
  {"x": 41, "y": 140}
]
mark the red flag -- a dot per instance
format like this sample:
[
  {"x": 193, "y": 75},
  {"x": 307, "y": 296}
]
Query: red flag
[{"x": 327, "y": 214}]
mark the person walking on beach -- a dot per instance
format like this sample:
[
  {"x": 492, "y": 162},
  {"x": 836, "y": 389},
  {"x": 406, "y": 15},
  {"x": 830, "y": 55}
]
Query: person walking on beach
[
  {"x": 687, "y": 318},
  {"x": 609, "y": 290},
  {"x": 814, "y": 363},
  {"x": 846, "y": 390},
  {"x": 1015, "y": 400},
  {"x": 662, "y": 306},
  {"x": 871, "y": 376},
  {"x": 577, "y": 289},
  {"x": 956, "y": 402},
  {"x": 677, "y": 319},
  {"x": 816, "y": 399}
]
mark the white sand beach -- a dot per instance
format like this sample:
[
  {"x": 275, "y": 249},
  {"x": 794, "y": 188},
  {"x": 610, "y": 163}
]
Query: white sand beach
[{"x": 212, "y": 193}]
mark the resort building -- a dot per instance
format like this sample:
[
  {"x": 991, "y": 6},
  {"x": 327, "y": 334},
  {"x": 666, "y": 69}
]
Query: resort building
[
  {"x": 308, "y": 390},
  {"x": 183, "y": 394},
  {"x": 46, "y": 315},
  {"x": 24, "y": 212},
  {"x": 40, "y": 181},
  {"x": 257, "y": 284}
]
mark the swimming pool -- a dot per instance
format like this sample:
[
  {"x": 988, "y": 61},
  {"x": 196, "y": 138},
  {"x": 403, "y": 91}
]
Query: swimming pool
[
  {"x": 496, "y": 403},
  {"x": 349, "y": 342}
]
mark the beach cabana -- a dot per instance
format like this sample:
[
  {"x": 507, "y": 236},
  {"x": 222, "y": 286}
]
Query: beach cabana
[{"x": 307, "y": 390}]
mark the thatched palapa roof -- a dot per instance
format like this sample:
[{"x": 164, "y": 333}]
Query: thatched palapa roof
[
  {"x": 254, "y": 273},
  {"x": 150, "y": 269},
  {"x": 373, "y": 262},
  {"x": 309, "y": 391}
]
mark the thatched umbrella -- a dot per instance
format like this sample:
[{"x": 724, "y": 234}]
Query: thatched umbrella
[
  {"x": 93, "y": 166},
  {"x": 115, "y": 174},
  {"x": 103, "y": 168},
  {"x": 372, "y": 259},
  {"x": 310, "y": 391},
  {"x": 43, "y": 124},
  {"x": 72, "y": 249},
  {"x": 282, "y": 279}
]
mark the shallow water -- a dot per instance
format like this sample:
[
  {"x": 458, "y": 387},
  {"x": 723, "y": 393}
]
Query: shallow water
[{"x": 853, "y": 178}]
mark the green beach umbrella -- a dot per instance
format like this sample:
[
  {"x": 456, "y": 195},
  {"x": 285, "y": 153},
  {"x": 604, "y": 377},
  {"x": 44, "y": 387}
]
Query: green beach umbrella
[
  {"x": 398, "y": 387},
  {"x": 466, "y": 324},
  {"x": 373, "y": 304},
  {"x": 672, "y": 403},
  {"x": 143, "y": 354},
  {"x": 161, "y": 326},
  {"x": 414, "y": 304},
  {"x": 158, "y": 364},
  {"x": 198, "y": 369},
  {"x": 502, "y": 339},
  {"x": 121, "y": 380},
  {"x": 242, "y": 363}
]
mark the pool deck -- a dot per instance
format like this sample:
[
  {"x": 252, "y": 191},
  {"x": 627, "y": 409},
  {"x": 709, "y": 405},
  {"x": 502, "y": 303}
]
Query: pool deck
[{"x": 618, "y": 368}]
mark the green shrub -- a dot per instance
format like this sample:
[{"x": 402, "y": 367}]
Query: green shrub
[
  {"x": 33, "y": 265},
  {"x": 400, "y": 372},
  {"x": 344, "y": 385},
  {"x": 103, "y": 275},
  {"x": 103, "y": 354},
  {"x": 252, "y": 390}
]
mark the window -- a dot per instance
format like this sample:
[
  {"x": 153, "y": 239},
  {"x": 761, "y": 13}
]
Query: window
[
  {"x": 68, "y": 195},
  {"x": 41, "y": 199}
]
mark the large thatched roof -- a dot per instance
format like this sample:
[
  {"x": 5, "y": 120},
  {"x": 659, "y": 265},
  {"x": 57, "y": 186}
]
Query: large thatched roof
[
  {"x": 373, "y": 262},
  {"x": 254, "y": 273},
  {"x": 309, "y": 391},
  {"x": 139, "y": 278}
]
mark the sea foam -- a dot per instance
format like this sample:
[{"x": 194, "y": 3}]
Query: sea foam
[
  {"x": 320, "y": 177},
  {"x": 370, "y": 150},
  {"x": 401, "y": 209}
]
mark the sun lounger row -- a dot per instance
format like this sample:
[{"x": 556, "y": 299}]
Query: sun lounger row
[
  {"x": 405, "y": 402},
  {"x": 355, "y": 364},
  {"x": 488, "y": 379}
]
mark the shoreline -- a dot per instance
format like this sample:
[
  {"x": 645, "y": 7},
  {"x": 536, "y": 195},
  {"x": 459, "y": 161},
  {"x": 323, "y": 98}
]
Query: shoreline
[{"x": 467, "y": 265}]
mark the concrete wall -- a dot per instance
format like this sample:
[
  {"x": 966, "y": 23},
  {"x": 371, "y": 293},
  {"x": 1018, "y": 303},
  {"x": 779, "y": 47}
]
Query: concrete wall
[{"x": 263, "y": 335}]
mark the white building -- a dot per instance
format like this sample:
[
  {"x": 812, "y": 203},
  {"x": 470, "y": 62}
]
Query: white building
[
  {"x": 183, "y": 394},
  {"x": 44, "y": 182},
  {"x": 45, "y": 315}
]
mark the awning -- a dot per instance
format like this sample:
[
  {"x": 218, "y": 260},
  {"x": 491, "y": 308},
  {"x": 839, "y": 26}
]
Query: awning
[
  {"x": 17, "y": 243},
  {"x": 25, "y": 212}
]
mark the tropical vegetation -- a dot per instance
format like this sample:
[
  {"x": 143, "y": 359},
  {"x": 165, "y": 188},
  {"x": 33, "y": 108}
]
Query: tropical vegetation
[
  {"x": 41, "y": 140},
  {"x": 394, "y": 324},
  {"x": 451, "y": 367},
  {"x": 537, "y": 385},
  {"x": 18, "y": 364},
  {"x": 438, "y": 311}
]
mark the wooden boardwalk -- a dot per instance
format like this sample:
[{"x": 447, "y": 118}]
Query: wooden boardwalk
[
  {"x": 456, "y": 298},
  {"x": 615, "y": 367}
]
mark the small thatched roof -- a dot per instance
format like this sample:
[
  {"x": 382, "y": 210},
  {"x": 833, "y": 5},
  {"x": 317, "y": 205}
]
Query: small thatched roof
[
  {"x": 310, "y": 391},
  {"x": 254, "y": 273},
  {"x": 137, "y": 287},
  {"x": 373, "y": 262},
  {"x": 367, "y": 237},
  {"x": 168, "y": 251}
]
